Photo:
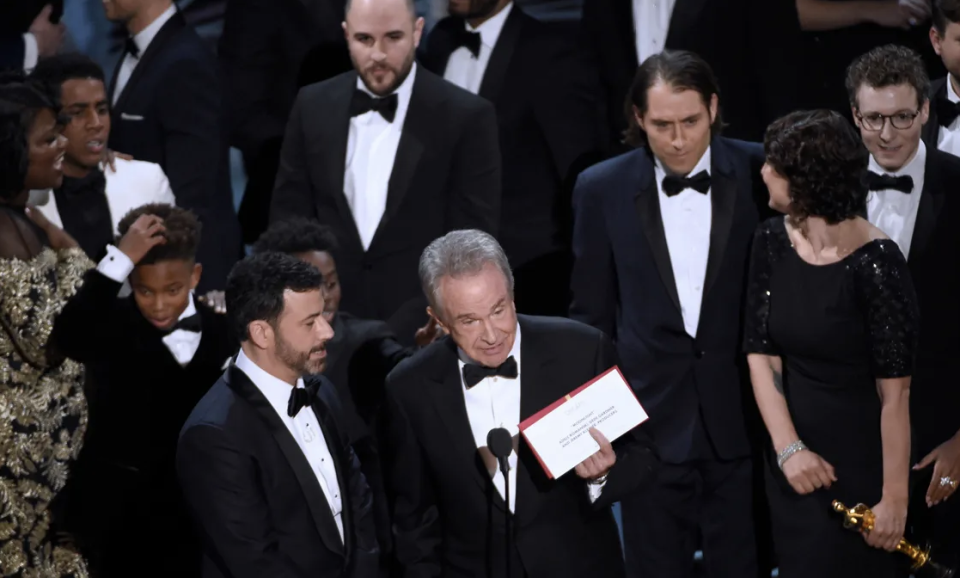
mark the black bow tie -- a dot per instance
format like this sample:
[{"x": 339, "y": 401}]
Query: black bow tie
[
  {"x": 674, "y": 185},
  {"x": 474, "y": 374},
  {"x": 191, "y": 323},
  {"x": 363, "y": 103},
  {"x": 466, "y": 39},
  {"x": 300, "y": 398},
  {"x": 876, "y": 182},
  {"x": 131, "y": 48},
  {"x": 947, "y": 111}
]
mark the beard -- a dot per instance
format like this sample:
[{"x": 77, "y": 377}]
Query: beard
[
  {"x": 478, "y": 9},
  {"x": 399, "y": 75},
  {"x": 298, "y": 361}
]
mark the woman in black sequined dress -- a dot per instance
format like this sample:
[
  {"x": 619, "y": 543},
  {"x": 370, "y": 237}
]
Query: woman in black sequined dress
[{"x": 830, "y": 334}]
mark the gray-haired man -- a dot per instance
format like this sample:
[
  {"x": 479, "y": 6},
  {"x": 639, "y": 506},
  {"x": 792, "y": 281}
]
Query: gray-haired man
[{"x": 494, "y": 369}]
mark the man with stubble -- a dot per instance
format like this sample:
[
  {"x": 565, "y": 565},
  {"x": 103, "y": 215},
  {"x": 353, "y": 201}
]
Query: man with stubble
[{"x": 389, "y": 156}]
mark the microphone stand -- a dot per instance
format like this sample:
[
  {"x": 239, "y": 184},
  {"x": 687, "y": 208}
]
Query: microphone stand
[{"x": 504, "y": 468}]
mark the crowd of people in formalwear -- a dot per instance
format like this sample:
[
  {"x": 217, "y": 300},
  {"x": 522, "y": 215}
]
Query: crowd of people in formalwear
[{"x": 746, "y": 207}]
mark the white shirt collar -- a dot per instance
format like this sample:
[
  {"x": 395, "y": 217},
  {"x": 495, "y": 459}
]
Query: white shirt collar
[
  {"x": 403, "y": 92},
  {"x": 514, "y": 351},
  {"x": 491, "y": 29},
  {"x": 274, "y": 389},
  {"x": 952, "y": 95},
  {"x": 143, "y": 38},
  {"x": 914, "y": 167}
]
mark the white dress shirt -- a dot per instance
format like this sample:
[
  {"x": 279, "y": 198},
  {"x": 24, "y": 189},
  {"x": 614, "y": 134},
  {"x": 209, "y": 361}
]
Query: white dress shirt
[
  {"x": 31, "y": 52},
  {"x": 687, "y": 219},
  {"x": 371, "y": 151},
  {"x": 181, "y": 343},
  {"x": 893, "y": 212},
  {"x": 305, "y": 430},
  {"x": 465, "y": 70},
  {"x": 948, "y": 139},
  {"x": 651, "y": 23},
  {"x": 495, "y": 402},
  {"x": 142, "y": 39}
]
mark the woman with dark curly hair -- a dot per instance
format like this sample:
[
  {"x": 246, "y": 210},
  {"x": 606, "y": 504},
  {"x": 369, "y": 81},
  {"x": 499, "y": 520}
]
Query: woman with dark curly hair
[
  {"x": 830, "y": 335},
  {"x": 41, "y": 395}
]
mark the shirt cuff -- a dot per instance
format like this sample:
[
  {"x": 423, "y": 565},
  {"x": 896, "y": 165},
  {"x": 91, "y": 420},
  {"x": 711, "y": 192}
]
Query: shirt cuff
[
  {"x": 116, "y": 265},
  {"x": 595, "y": 490},
  {"x": 31, "y": 52}
]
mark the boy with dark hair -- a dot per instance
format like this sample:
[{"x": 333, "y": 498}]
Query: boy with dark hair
[
  {"x": 93, "y": 196},
  {"x": 943, "y": 130},
  {"x": 150, "y": 358},
  {"x": 913, "y": 200}
]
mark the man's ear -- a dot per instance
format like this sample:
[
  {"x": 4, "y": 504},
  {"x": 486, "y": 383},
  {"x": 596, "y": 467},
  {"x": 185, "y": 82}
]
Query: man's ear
[
  {"x": 195, "y": 275},
  {"x": 436, "y": 318},
  {"x": 261, "y": 334}
]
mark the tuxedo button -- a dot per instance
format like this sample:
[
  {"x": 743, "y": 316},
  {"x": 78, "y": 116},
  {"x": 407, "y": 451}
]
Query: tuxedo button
[{"x": 698, "y": 354}]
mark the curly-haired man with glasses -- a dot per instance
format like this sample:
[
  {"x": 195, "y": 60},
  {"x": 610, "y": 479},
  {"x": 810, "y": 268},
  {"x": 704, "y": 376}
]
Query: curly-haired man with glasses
[{"x": 913, "y": 199}]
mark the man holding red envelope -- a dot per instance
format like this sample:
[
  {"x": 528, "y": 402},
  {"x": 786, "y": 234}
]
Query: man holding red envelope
[{"x": 496, "y": 369}]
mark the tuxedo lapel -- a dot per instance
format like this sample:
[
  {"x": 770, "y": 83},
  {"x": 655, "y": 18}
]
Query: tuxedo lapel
[
  {"x": 683, "y": 29},
  {"x": 440, "y": 45},
  {"x": 647, "y": 202},
  {"x": 723, "y": 194},
  {"x": 495, "y": 75},
  {"x": 931, "y": 204},
  {"x": 412, "y": 138},
  {"x": 931, "y": 131},
  {"x": 331, "y": 434},
  {"x": 170, "y": 29},
  {"x": 238, "y": 381},
  {"x": 447, "y": 398},
  {"x": 330, "y": 147}
]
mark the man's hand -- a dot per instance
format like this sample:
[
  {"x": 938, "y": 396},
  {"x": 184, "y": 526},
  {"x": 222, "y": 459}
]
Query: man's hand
[
  {"x": 899, "y": 13},
  {"x": 428, "y": 333},
  {"x": 144, "y": 234},
  {"x": 216, "y": 300},
  {"x": 59, "y": 239},
  {"x": 49, "y": 35},
  {"x": 946, "y": 460},
  {"x": 110, "y": 159},
  {"x": 598, "y": 464}
]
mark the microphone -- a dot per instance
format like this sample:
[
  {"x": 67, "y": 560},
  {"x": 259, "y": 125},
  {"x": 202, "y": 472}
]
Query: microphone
[{"x": 500, "y": 444}]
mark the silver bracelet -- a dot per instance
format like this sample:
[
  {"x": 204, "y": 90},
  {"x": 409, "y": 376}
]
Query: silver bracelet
[{"x": 788, "y": 451}]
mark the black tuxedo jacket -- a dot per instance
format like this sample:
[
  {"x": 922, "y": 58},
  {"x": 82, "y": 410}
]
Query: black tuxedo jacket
[
  {"x": 15, "y": 20},
  {"x": 444, "y": 522},
  {"x": 623, "y": 284},
  {"x": 936, "y": 277},
  {"x": 255, "y": 498},
  {"x": 268, "y": 50},
  {"x": 446, "y": 176},
  {"x": 751, "y": 45},
  {"x": 124, "y": 487},
  {"x": 931, "y": 130},
  {"x": 170, "y": 113},
  {"x": 546, "y": 108}
]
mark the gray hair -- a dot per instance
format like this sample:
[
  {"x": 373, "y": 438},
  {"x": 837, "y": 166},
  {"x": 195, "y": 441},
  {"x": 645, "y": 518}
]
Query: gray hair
[{"x": 460, "y": 253}]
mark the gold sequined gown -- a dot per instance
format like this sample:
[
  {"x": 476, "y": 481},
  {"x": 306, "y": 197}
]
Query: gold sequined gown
[{"x": 43, "y": 413}]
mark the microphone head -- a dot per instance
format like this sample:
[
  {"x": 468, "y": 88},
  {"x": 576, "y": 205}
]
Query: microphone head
[{"x": 499, "y": 442}]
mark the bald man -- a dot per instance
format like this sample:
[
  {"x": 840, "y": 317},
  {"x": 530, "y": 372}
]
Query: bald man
[{"x": 390, "y": 156}]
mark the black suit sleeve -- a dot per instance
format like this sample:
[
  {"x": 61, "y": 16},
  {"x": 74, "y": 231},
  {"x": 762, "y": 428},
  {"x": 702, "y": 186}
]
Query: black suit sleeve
[
  {"x": 475, "y": 177},
  {"x": 292, "y": 195},
  {"x": 12, "y": 51},
  {"x": 417, "y": 528},
  {"x": 568, "y": 117},
  {"x": 636, "y": 459},
  {"x": 221, "y": 487},
  {"x": 593, "y": 281},
  {"x": 249, "y": 53},
  {"x": 89, "y": 320}
]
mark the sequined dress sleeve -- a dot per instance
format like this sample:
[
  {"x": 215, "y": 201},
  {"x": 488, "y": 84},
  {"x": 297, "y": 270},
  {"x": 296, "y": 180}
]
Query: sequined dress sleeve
[
  {"x": 769, "y": 243},
  {"x": 44, "y": 413},
  {"x": 887, "y": 298}
]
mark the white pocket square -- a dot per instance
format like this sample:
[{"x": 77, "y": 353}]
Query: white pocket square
[{"x": 125, "y": 116}]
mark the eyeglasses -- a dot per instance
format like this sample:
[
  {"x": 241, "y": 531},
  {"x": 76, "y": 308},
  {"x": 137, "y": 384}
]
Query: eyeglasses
[{"x": 875, "y": 121}]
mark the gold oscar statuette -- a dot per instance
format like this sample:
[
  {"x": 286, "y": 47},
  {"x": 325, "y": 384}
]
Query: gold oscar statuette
[{"x": 861, "y": 518}]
